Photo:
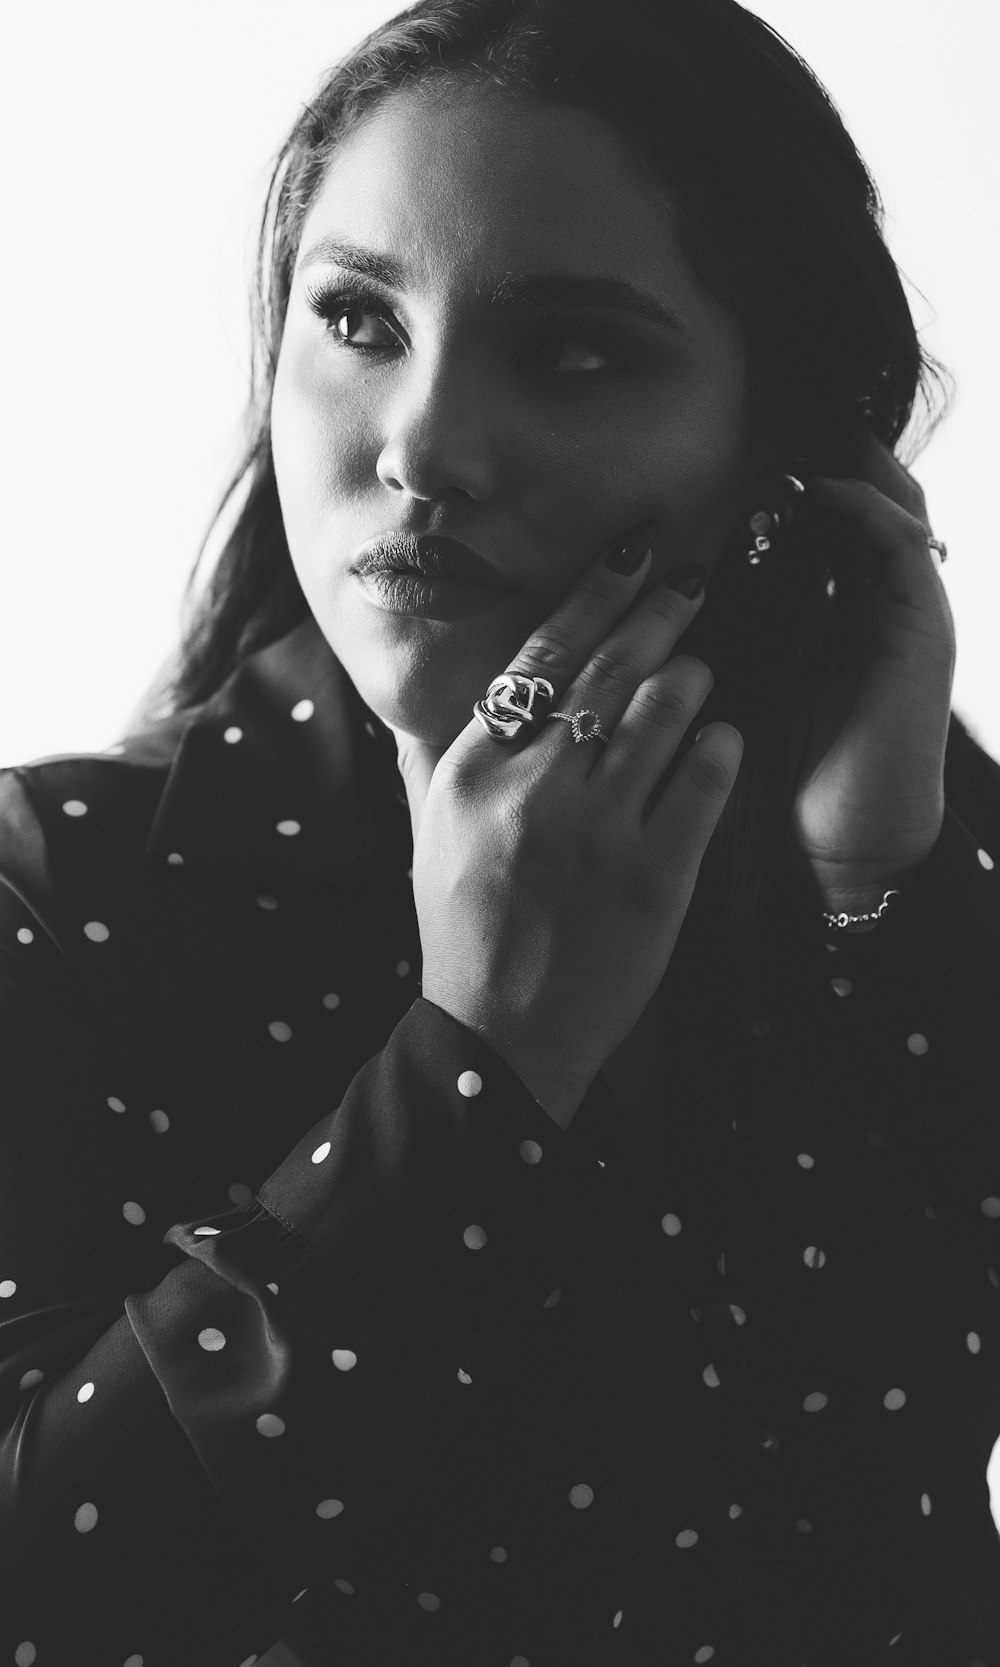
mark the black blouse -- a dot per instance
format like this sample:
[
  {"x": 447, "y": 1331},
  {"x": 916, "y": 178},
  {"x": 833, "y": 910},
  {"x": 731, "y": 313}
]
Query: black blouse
[{"x": 315, "y": 1326}]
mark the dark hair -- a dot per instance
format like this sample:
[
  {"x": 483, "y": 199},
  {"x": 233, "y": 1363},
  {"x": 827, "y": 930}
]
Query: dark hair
[{"x": 781, "y": 222}]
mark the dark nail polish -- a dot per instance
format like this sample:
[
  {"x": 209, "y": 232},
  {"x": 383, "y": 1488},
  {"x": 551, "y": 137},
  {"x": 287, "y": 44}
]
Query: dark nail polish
[
  {"x": 689, "y": 579},
  {"x": 626, "y": 556}
]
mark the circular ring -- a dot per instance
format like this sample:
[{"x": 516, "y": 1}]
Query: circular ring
[
  {"x": 514, "y": 701},
  {"x": 589, "y": 731},
  {"x": 941, "y": 547}
]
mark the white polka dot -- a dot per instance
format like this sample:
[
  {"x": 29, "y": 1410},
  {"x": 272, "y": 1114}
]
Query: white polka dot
[
  {"x": 738, "y": 1313},
  {"x": 581, "y": 1496},
  {"x": 429, "y": 1601},
  {"x": 671, "y": 1225},
  {"x": 281, "y": 1031},
  {"x": 31, "y": 1378},
  {"x": 7, "y": 1287},
  {"x": 985, "y": 859},
  {"x": 24, "y": 1655},
  {"x": 302, "y": 710},
  {"x": 85, "y": 1518},
  {"x": 211, "y": 1339},
  {"x": 735, "y": 1511},
  {"x": 498, "y": 1554},
  {"x": 804, "y": 1526},
  {"x": 84, "y": 1392},
  {"x": 300, "y": 1594},
  {"x": 475, "y": 1237},
  {"x": 273, "y": 1289},
  {"x": 686, "y": 1538},
  {"x": 345, "y": 1360},
  {"x": 133, "y": 1661},
  {"x": 990, "y": 1207},
  {"x": 25, "y": 935},
  {"x": 249, "y": 1662},
  {"x": 893, "y": 1399},
  {"x": 207, "y": 1232},
  {"x": 266, "y": 901},
  {"x": 530, "y": 1151},
  {"x": 841, "y": 986},
  {"x": 232, "y": 734},
  {"x": 706, "y": 1653},
  {"x": 770, "y": 1442},
  {"x": 322, "y": 1152},
  {"x": 813, "y": 1257},
  {"x": 925, "y": 1504},
  {"x": 115, "y": 1103},
  {"x": 289, "y": 827},
  {"x": 329, "y": 1508},
  {"x": 814, "y": 1402},
  {"x": 96, "y": 931},
  {"x": 463, "y": 1377},
  {"x": 270, "y": 1424},
  {"x": 134, "y": 1213},
  {"x": 973, "y": 1343},
  {"x": 804, "y": 1161},
  {"x": 159, "y": 1122},
  {"x": 331, "y": 1001},
  {"x": 75, "y": 807},
  {"x": 470, "y": 1083},
  {"x": 553, "y": 1297},
  {"x": 239, "y": 1193},
  {"x": 345, "y": 1587},
  {"x": 617, "y": 1619},
  {"x": 175, "y": 859},
  {"x": 711, "y": 1377},
  {"x": 402, "y": 969},
  {"x": 916, "y": 1043}
]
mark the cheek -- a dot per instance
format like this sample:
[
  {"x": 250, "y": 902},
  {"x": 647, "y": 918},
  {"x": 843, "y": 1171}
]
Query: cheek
[{"x": 322, "y": 453}]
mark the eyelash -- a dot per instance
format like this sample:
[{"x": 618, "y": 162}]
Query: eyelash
[{"x": 332, "y": 299}]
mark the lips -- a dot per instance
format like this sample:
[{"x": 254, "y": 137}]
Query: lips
[{"x": 428, "y": 558}]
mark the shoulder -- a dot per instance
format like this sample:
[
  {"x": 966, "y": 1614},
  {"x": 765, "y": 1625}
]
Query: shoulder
[{"x": 57, "y": 812}]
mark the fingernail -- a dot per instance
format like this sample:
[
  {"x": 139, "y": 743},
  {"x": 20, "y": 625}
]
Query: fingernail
[
  {"x": 626, "y": 556},
  {"x": 689, "y": 579}
]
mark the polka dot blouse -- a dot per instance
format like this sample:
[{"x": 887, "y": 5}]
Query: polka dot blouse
[{"x": 321, "y": 1343}]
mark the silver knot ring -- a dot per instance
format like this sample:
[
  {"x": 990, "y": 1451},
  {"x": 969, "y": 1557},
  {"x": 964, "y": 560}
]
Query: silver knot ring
[
  {"x": 941, "y": 547},
  {"x": 514, "y": 702},
  {"x": 585, "y": 723}
]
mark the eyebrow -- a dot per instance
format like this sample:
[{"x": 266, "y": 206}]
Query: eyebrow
[{"x": 509, "y": 290}]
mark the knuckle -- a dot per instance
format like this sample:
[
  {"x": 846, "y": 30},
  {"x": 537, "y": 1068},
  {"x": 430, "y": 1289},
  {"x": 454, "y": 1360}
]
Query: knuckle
[
  {"x": 709, "y": 774},
  {"x": 613, "y": 669},
  {"x": 665, "y": 702},
  {"x": 545, "y": 650}
]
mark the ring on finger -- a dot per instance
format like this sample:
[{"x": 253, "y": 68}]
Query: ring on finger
[
  {"x": 585, "y": 723},
  {"x": 514, "y": 702}
]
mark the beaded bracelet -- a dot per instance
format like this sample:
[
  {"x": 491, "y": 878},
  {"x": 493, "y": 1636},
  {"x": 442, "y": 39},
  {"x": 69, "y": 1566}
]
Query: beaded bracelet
[{"x": 843, "y": 922}]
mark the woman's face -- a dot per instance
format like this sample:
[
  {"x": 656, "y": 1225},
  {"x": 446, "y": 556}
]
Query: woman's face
[{"x": 536, "y": 421}]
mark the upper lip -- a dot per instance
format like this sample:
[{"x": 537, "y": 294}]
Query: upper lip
[{"x": 433, "y": 556}]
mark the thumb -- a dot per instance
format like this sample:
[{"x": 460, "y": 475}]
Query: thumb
[{"x": 417, "y": 762}]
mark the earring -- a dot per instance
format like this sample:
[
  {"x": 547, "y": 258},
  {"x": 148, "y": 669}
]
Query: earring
[{"x": 766, "y": 523}]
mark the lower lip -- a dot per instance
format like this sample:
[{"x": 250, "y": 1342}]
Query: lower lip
[{"x": 415, "y": 594}]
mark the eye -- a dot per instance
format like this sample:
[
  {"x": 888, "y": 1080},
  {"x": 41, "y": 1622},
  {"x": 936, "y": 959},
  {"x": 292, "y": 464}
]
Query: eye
[
  {"x": 560, "y": 350},
  {"x": 355, "y": 317}
]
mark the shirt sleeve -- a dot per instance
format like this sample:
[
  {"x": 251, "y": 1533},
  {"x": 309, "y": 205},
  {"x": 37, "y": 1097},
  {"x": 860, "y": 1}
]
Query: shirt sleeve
[{"x": 184, "y": 1452}]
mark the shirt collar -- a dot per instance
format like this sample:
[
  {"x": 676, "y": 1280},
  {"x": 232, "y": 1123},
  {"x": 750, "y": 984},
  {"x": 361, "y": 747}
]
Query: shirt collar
[{"x": 283, "y": 769}]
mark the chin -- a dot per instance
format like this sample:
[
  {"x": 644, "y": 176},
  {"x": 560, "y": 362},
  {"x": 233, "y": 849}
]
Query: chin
[{"x": 431, "y": 711}]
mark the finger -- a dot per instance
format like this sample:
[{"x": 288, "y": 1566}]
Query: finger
[
  {"x": 655, "y": 722},
  {"x": 635, "y": 650},
  {"x": 909, "y": 569},
  {"x": 880, "y": 466},
  {"x": 563, "y": 641},
  {"x": 684, "y": 817}
]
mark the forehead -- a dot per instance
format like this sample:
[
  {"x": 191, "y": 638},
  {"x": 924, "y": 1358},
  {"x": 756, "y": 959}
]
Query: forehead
[{"x": 461, "y": 180}]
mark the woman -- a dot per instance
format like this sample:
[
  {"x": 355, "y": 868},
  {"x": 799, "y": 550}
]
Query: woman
[{"x": 504, "y": 1168}]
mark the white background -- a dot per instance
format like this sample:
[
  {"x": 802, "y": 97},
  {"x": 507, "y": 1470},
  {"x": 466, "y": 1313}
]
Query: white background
[
  {"x": 136, "y": 139},
  {"x": 135, "y": 147}
]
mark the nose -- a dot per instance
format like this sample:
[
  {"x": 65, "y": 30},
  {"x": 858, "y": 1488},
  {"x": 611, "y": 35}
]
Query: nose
[{"x": 441, "y": 435}]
